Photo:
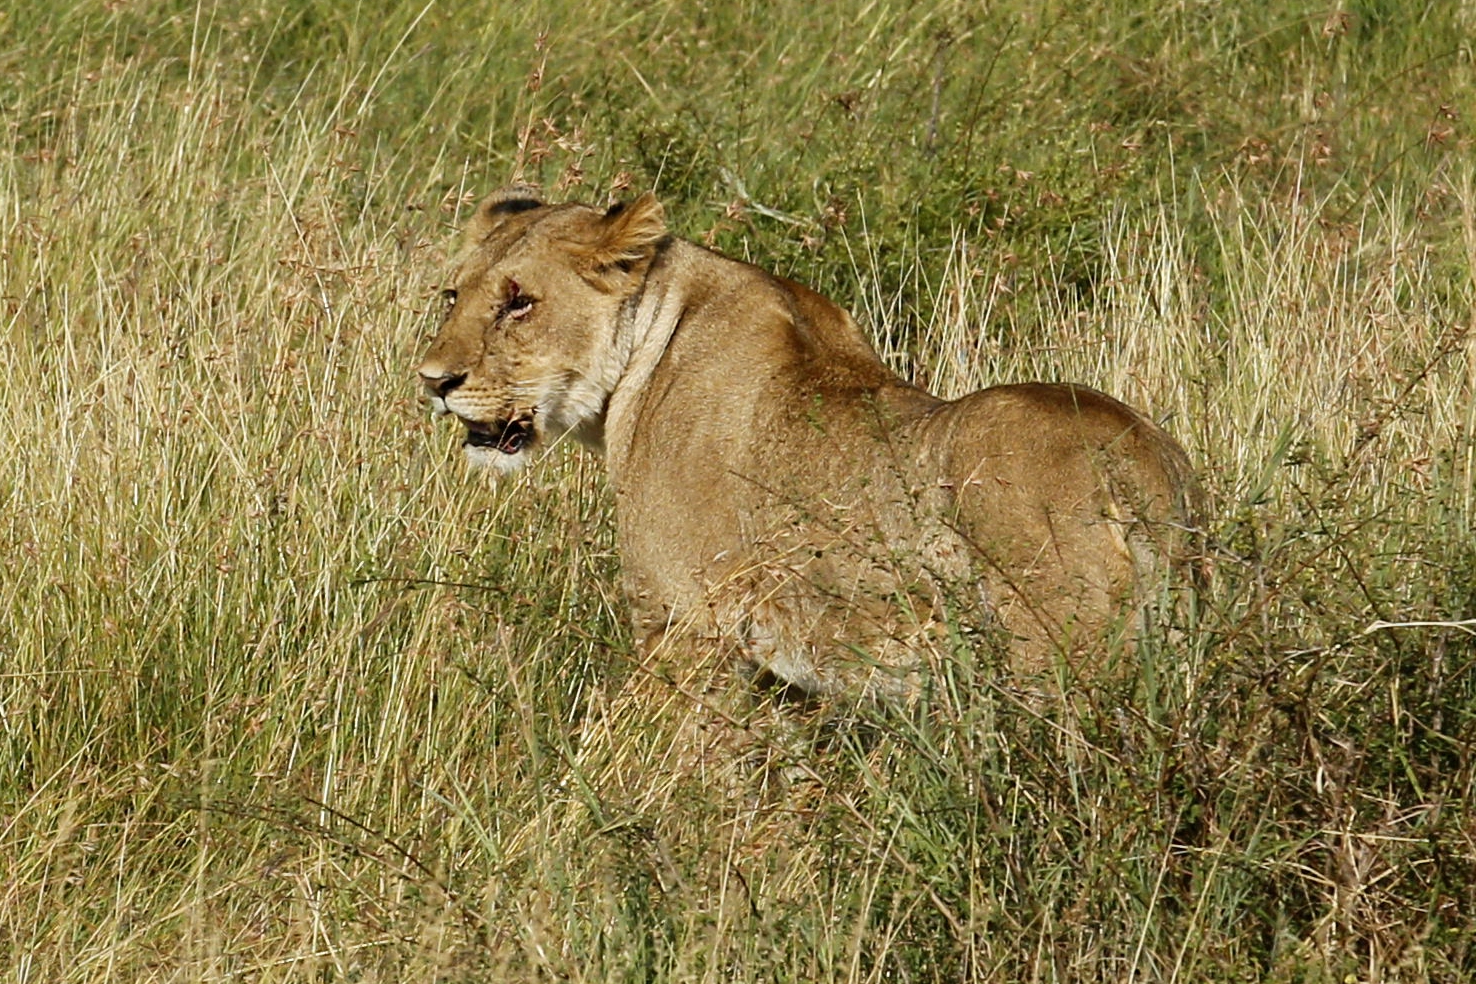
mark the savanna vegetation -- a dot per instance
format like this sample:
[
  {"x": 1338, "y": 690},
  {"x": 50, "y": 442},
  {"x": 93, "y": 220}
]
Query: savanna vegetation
[{"x": 287, "y": 695}]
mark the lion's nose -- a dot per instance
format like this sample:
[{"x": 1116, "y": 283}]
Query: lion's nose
[{"x": 441, "y": 383}]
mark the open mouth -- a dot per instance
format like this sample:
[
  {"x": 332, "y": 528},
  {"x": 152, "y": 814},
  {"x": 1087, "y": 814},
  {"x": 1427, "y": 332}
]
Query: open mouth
[{"x": 509, "y": 437}]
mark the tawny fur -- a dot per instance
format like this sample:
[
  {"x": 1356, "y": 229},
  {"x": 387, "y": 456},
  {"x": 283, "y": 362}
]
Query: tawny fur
[{"x": 778, "y": 490}]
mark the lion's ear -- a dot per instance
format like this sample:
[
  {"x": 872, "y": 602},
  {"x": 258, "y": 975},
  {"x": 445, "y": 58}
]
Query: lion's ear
[
  {"x": 628, "y": 234},
  {"x": 496, "y": 208}
]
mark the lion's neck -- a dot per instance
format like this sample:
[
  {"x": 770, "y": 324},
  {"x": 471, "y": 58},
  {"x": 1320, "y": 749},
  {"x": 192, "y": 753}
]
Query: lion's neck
[
  {"x": 641, "y": 339},
  {"x": 703, "y": 315}
]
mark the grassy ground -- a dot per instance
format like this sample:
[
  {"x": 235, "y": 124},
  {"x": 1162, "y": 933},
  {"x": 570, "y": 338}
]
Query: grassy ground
[{"x": 286, "y": 695}]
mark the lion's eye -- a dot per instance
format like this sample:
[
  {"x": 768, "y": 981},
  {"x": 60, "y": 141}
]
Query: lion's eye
[
  {"x": 518, "y": 306},
  {"x": 448, "y": 299}
]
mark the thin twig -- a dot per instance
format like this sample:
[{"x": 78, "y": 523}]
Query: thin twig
[{"x": 1467, "y": 626}]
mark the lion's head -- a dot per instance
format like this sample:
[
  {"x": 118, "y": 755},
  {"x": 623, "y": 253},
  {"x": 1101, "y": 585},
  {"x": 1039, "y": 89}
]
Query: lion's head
[{"x": 527, "y": 352}]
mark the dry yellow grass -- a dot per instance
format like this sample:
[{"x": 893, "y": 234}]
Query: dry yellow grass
[{"x": 285, "y": 695}]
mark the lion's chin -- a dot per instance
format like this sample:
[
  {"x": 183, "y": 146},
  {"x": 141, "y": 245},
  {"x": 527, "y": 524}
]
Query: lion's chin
[{"x": 497, "y": 462}]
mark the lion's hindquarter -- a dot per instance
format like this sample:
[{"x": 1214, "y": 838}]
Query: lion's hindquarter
[{"x": 1074, "y": 505}]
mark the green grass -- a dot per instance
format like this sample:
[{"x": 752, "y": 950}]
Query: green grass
[{"x": 286, "y": 695}]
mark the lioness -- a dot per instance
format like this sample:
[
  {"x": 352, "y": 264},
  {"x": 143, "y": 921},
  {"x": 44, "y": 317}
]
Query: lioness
[{"x": 777, "y": 488}]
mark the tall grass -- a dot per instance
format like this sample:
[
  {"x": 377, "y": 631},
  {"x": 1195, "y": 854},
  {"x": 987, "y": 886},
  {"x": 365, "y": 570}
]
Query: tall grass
[{"x": 286, "y": 695}]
